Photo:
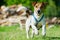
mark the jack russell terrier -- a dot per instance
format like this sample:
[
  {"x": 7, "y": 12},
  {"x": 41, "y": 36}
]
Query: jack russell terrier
[{"x": 35, "y": 19}]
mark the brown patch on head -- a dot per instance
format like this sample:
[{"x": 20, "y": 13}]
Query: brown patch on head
[
  {"x": 39, "y": 5},
  {"x": 34, "y": 3}
]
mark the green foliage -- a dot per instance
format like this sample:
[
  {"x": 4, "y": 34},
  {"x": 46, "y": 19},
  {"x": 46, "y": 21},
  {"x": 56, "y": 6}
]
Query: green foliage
[{"x": 51, "y": 9}]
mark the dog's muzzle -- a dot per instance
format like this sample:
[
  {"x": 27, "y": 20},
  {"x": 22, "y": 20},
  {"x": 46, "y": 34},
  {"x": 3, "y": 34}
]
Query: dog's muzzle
[{"x": 39, "y": 11}]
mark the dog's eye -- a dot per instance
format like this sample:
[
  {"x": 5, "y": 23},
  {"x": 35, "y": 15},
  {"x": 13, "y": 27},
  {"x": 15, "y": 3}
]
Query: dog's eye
[{"x": 36, "y": 6}]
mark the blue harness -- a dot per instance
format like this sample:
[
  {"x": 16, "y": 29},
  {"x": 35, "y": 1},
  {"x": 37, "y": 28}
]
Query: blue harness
[{"x": 37, "y": 21}]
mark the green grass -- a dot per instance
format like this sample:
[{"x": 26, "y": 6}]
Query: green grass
[{"x": 14, "y": 33}]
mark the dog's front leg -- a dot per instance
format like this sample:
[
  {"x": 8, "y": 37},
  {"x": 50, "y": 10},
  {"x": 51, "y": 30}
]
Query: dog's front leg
[
  {"x": 34, "y": 30},
  {"x": 32, "y": 33},
  {"x": 43, "y": 30}
]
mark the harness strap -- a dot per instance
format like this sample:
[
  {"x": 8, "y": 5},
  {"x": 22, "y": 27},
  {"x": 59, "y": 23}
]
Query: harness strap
[{"x": 39, "y": 19}]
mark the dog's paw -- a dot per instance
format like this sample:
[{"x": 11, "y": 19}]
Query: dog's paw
[
  {"x": 44, "y": 36},
  {"x": 27, "y": 37},
  {"x": 32, "y": 36}
]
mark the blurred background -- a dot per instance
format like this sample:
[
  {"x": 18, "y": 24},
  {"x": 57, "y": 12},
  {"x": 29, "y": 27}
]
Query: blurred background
[
  {"x": 52, "y": 10},
  {"x": 52, "y": 15}
]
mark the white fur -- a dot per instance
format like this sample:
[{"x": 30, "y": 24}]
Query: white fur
[{"x": 31, "y": 22}]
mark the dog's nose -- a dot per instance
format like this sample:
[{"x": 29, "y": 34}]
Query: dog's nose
[{"x": 38, "y": 11}]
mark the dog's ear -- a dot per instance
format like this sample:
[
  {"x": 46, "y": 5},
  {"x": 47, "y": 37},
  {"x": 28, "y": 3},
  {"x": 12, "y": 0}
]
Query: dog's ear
[
  {"x": 33, "y": 3},
  {"x": 44, "y": 4}
]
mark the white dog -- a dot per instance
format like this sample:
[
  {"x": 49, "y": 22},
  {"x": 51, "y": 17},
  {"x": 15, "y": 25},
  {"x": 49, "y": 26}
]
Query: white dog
[{"x": 36, "y": 18}]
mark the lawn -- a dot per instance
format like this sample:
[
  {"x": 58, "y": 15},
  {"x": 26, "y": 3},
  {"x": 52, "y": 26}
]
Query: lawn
[{"x": 14, "y": 33}]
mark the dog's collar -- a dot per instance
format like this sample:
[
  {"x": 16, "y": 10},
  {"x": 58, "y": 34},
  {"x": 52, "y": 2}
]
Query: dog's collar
[{"x": 39, "y": 19}]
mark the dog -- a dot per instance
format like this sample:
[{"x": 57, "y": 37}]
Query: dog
[{"x": 36, "y": 18}]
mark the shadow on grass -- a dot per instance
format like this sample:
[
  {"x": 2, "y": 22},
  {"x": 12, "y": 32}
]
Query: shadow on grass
[{"x": 52, "y": 38}]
